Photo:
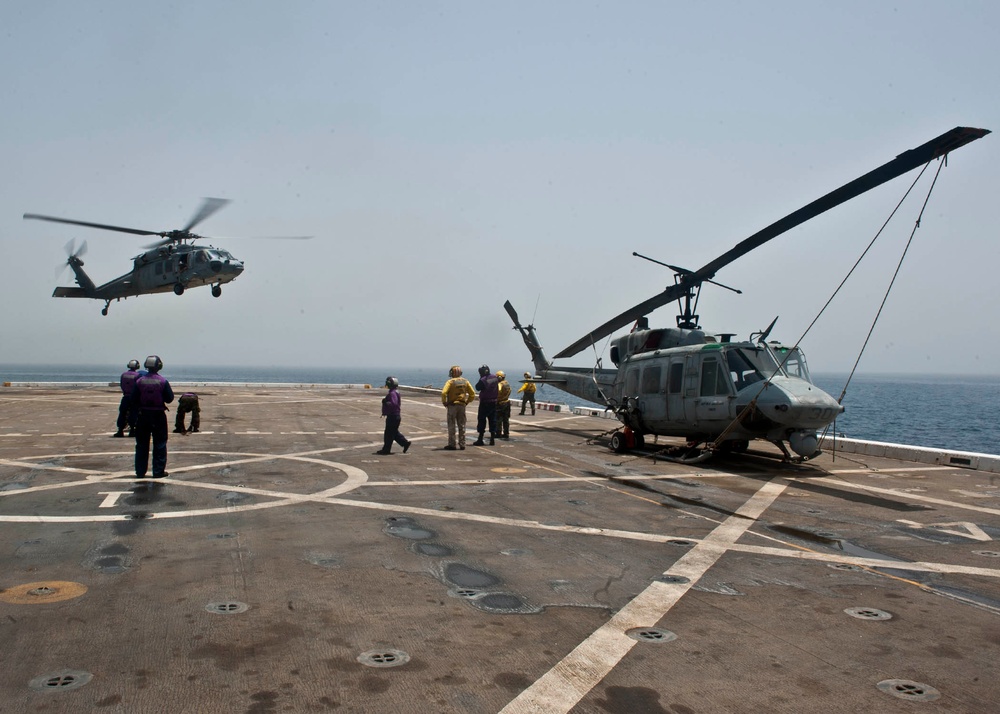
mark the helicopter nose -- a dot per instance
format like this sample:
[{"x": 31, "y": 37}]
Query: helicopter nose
[{"x": 798, "y": 404}]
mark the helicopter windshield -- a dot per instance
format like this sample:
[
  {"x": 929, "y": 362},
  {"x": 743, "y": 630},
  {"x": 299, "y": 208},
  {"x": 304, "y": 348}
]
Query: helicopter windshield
[
  {"x": 793, "y": 360},
  {"x": 751, "y": 364}
]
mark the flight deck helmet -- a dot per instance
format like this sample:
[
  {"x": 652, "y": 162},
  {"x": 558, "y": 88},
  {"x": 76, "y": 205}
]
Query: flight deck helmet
[
  {"x": 501, "y": 375},
  {"x": 133, "y": 364},
  {"x": 484, "y": 370},
  {"x": 455, "y": 371},
  {"x": 154, "y": 363},
  {"x": 391, "y": 382},
  {"x": 527, "y": 375}
]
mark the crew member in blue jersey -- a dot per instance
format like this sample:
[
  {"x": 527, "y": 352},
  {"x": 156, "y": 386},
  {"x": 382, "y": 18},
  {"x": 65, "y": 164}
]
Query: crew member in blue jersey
[
  {"x": 127, "y": 383},
  {"x": 489, "y": 391},
  {"x": 150, "y": 398},
  {"x": 393, "y": 413}
]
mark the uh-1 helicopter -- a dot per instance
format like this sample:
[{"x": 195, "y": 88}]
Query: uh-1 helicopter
[
  {"x": 172, "y": 264},
  {"x": 716, "y": 393}
]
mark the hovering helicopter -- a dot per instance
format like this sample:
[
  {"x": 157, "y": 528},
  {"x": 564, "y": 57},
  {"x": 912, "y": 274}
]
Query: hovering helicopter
[
  {"x": 172, "y": 264},
  {"x": 717, "y": 393}
]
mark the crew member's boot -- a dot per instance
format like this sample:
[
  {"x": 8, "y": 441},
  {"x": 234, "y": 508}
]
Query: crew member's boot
[
  {"x": 120, "y": 434},
  {"x": 492, "y": 442},
  {"x": 479, "y": 441}
]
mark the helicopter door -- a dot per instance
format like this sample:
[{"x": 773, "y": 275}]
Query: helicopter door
[
  {"x": 715, "y": 391},
  {"x": 675, "y": 390},
  {"x": 651, "y": 401}
]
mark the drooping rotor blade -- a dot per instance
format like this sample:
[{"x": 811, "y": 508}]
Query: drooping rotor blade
[
  {"x": 102, "y": 226},
  {"x": 907, "y": 161},
  {"x": 208, "y": 207}
]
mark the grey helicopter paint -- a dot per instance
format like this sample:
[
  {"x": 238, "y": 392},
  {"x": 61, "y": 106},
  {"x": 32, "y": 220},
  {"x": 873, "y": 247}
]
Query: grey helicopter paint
[
  {"x": 716, "y": 393},
  {"x": 172, "y": 264}
]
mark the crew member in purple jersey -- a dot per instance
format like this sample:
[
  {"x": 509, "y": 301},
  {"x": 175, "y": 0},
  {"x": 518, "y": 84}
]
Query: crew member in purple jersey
[
  {"x": 392, "y": 411},
  {"x": 150, "y": 397},
  {"x": 489, "y": 392},
  {"x": 127, "y": 382}
]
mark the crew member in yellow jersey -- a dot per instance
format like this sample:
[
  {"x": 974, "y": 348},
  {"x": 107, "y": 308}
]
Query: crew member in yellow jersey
[
  {"x": 503, "y": 406},
  {"x": 529, "y": 393},
  {"x": 455, "y": 395}
]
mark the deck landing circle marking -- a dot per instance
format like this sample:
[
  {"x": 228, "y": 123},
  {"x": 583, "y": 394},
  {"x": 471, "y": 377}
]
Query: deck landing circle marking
[
  {"x": 508, "y": 470},
  {"x": 42, "y": 593},
  {"x": 355, "y": 478}
]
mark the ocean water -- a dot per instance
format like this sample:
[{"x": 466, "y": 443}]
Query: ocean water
[{"x": 943, "y": 411}]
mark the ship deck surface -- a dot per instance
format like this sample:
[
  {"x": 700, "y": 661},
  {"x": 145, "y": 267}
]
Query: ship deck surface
[{"x": 283, "y": 566}]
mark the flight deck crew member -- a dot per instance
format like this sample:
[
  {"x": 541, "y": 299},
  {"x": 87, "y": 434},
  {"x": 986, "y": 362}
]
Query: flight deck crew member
[
  {"x": 503, "y": 406},
  {"x": 392, "y": 411},
  {"x": 150, "y": 397},
  {"x": 188, "y": 402},
  {"x": 457, "y": 392},
  {"x": 529, "y": 393},
  {"x": 488, "y": 389},
  {"x": 127, "y": 383}
]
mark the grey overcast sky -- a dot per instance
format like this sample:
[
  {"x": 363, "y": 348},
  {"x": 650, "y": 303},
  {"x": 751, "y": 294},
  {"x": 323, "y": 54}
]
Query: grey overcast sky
[{"x": 448, "y": 156}]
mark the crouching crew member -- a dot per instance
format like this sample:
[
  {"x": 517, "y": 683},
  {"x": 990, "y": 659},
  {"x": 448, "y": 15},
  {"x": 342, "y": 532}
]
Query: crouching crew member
[
  {"x": 150, "y": 397},
  {"x": 187, "y": 403},
  {"x": 125, "y": 416},
  {"x": 503, "y": 406},
  {"x": 393, "y": 413},
  {"x": 457, "y": 392}
]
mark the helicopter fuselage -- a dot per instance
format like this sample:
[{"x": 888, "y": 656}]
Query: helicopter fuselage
[
  {"x": 167, "y": 268},
  {"x": 686, "y": 383}
]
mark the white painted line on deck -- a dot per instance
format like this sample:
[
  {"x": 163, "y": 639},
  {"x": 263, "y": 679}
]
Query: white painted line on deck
[{"x": 571, "y": 679}]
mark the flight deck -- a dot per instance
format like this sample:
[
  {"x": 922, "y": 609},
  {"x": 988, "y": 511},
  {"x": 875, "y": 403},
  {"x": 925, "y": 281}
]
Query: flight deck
[{"x": 282, "y": 565}]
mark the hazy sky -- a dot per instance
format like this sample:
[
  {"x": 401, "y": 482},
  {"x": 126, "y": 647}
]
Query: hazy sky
[{"x": 448, "y": 156}]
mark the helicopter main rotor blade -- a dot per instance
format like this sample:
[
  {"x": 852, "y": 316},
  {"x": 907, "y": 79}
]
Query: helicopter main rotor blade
[
  {"x": 102, "y": 226},
  {"x": 687, "y": 281},
  {"x": 208, "y": 207}
]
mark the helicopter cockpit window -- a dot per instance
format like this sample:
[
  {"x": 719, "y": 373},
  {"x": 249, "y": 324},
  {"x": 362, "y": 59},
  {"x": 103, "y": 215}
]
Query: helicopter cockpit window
[
  {"x": 714, "y": 379},
  {"x": 201, "y": 257},
  {"x": 794, "y": 362},
  {"x": 741, "y": 369},
  {"x": 651, "y": 380}
]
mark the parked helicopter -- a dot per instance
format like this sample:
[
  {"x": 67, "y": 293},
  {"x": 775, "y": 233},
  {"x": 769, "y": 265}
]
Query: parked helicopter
[
  {"x": 172, "y": 264},
  {"x": 716, "y": 393}
]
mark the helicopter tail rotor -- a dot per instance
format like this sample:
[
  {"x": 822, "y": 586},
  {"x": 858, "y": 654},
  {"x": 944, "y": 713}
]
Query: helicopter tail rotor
[{"x": 73, "y": 256}]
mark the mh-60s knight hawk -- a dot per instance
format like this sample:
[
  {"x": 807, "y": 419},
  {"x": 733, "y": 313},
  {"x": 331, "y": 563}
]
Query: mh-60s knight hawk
[
  {"x": 174, "y": 263},
  {"x": 716, "y": 393}
]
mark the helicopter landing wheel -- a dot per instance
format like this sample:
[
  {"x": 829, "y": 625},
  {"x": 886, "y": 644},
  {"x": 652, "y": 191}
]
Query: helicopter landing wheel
[
  {"x": 104, "y": 310},
  {"x": 216, "y": 290},
  {"x": 618, "y": 443},
  {"x": 178, "y": 289}
]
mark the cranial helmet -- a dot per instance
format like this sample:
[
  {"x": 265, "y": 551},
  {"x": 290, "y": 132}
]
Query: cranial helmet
[
  {"x": 501, "y": 375},
  {"x": 154, "y": 363},
  {"x": 133, "y": 364},
  {"x": 484, "y": 370},
  {"x": 527, "y": 375},
  {"x": 391, "y": 382},
  {"x": 455, "y": 371}
]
